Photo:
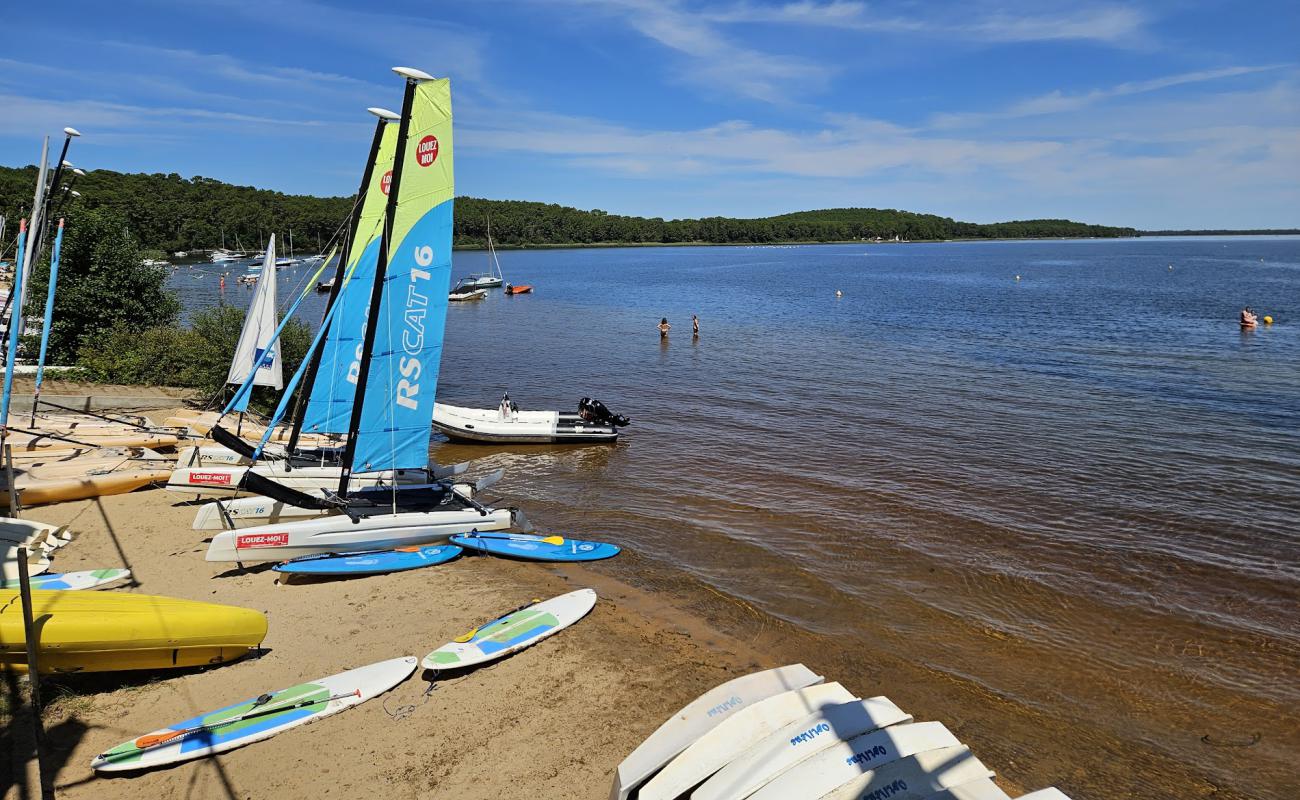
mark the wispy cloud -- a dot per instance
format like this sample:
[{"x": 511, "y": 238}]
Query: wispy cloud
[
  {"x": 713, "y": 60},
  {"x": 1106, "y": 24},
  {"x": 1058, "y": 102}
]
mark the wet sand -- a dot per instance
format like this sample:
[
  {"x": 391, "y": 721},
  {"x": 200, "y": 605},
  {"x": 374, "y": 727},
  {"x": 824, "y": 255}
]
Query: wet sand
[{"x": 551, "y": 722}]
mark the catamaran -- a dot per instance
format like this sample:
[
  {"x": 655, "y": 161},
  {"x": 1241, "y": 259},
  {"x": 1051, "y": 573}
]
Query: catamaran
[{"x": 385, "y": 387}]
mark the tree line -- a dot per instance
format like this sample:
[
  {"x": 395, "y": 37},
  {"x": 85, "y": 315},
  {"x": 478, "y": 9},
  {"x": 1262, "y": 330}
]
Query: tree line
[{"x": 170, "y": 213}]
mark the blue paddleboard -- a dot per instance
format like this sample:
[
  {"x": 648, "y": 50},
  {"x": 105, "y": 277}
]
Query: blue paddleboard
[
  {"x": 374, "y": 562},
  {"x": 535, "y": 548}
]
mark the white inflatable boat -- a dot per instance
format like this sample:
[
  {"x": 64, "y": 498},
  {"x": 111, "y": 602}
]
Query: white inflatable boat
[{"x": 506, "y": 424}]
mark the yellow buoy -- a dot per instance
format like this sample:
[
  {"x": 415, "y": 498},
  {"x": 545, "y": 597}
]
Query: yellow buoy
[{"x": 1268, "y": 320}]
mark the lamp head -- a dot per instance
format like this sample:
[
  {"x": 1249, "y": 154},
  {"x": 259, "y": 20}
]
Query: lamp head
[
  {"x": 383, "y": 113},
  {"x": 72, "y": 131},
  {"x": 412, "y": 74}
]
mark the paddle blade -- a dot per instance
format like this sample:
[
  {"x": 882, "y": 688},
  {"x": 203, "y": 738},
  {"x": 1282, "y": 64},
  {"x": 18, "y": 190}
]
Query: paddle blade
[
  {"x": 155, "y": 739},
  {"x": 465, "y": 637},
  {"x": 554, "y": 540}
]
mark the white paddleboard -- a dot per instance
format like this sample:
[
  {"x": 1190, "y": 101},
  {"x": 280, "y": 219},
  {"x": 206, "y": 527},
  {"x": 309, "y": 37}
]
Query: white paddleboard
[
  {"x": 824, "y": 772},
  {"x": 978, "y": 789},
  {"x": 917, "y": 777},
  {"x": 742, "y": 730},
  {"x": 801, "y": 739},
  {"x": 513, "y": 632},
  {"x": 1051, "y": 793},
  {"x": 255, "y": 719},
  {"x": 84, "y": 579},
  {"x": 701, "y": 716}
]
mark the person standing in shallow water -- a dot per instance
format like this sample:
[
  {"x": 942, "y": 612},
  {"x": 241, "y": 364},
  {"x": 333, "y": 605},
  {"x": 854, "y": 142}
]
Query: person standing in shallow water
[
  {"x": 695, "y": 326},
  {"x": 663, "y": 328}
]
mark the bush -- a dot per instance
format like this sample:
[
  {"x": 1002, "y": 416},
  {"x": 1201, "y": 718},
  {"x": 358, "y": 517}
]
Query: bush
[
  {"x": 103, "y": 287},
  {"x": 197, "y": 357}
]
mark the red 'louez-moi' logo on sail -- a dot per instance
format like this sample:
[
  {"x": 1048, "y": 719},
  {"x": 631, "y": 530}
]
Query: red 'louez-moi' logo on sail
[
  {"x": 386, "y": 182},
  {"x": 426, "y": 152}
]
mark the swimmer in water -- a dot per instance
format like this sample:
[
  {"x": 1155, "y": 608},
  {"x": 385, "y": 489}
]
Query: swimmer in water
[
  {"x": 695, "y": 326},
  {"x": 663, "y": 328}
]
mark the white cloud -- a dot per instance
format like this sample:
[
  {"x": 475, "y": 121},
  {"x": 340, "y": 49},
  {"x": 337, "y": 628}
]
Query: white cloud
[{"x": 1106, "y": 24}]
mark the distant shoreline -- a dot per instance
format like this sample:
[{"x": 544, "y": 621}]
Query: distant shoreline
[{"x": 608, "y": 245}]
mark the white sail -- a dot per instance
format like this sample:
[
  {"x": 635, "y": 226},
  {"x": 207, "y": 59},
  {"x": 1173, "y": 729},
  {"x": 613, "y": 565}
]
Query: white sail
[{"x": 256, "y": 340}]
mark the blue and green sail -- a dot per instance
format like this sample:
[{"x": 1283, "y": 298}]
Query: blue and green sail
[
  {"x": 397, "y": 407},
  {"x": 329, "y": 404}
]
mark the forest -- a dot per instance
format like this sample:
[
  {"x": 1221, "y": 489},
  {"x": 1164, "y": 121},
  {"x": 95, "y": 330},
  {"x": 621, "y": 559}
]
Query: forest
[{"x": 170, "y": 213}]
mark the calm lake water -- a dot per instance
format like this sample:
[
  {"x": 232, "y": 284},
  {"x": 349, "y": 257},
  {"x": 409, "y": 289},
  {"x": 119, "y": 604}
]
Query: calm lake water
[{"x": 1061, "y": 514}]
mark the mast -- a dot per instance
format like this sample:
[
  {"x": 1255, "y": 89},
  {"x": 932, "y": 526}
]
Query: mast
[
  {"x": 413, "y": 77},
  {"x": 300, "y": 405}
]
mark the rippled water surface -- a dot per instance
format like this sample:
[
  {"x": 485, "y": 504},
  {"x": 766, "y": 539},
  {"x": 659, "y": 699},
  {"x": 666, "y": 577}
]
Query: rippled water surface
[{"x": 1060, "y": 513}]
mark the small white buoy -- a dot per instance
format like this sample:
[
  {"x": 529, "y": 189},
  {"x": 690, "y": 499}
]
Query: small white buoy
[
  {"x": 1171, "y": 267},
  {"x": 1017, "y": 277},
  {"x": 838, "y": 293}
]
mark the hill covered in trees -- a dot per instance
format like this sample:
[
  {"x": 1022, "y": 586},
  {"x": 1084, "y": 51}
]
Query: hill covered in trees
[{"x": 168, "y": 212}]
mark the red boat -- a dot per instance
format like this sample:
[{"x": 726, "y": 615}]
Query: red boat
[{"x": 512, "y": 289}]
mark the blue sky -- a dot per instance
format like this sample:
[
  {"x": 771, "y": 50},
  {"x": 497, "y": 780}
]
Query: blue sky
[{"x": 1153, "y": 114}]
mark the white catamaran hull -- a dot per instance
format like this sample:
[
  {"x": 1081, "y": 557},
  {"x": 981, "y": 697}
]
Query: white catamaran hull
[
  {"x": 223, "y": 481},
  {"x": 340, "y": 534}
]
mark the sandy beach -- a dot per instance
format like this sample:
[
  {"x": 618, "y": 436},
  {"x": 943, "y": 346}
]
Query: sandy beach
[{"x": 550, "y": 722}]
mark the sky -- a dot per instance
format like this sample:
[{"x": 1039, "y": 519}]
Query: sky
[{"x": 1151, "y": 114}]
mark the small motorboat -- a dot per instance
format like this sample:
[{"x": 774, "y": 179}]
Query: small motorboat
[
  {"x": 524, "y": 289},
  {"x": 325, "y": 286},
  {"x": 464, "y": 290},
  {"x": 506, "y": 424}
]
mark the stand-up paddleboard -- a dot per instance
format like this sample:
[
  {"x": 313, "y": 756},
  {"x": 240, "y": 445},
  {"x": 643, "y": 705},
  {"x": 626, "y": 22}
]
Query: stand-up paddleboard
[
  {"x": 701, "y": 716},
  {"x": 535, "y": 548},
  {"x": 513, "y": 632},
  {"x": 374, "y": 562},
  {"x": 742, "y": 730},
  {"x": 256, "y": 719},
  {"x": 801, "y": 739},
  {"x": 85, "y": 579},
  {"x": 1051, "y": 793},
  {"x": 853, "y": 762},
  {"x": 978, "y": 789}
]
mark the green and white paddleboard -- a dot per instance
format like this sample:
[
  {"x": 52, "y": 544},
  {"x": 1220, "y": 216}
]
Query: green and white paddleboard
[
  {"x": 513, "y": 632},
  {"x": 255, "y": 719},
  {"x": 85, "y": 579}
]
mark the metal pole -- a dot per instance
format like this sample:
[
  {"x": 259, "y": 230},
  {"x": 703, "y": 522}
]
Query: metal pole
[
  {"x": 15, "y": 326},
  {"x": 51, "y": 287},
  {"x": 33, "y": 674},
  {"x": 14, "y": 508}
]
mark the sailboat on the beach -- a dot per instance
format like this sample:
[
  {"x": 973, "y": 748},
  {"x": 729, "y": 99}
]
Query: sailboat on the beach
[{"x": 394, "y": 371}]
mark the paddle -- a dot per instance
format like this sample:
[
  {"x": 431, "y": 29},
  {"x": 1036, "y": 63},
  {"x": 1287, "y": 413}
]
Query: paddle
[
  {"x": 548, "y": 539},
  {"x": 155, "y": 739},
  {"x": 465, "y": 637}
]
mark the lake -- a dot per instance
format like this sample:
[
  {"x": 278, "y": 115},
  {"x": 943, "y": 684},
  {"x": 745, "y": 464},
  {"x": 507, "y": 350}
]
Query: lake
[{"x": 1059, "y": 513}]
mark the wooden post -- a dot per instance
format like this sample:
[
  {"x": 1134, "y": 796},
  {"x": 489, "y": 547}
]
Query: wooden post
[
  {"x": 14, "y": 509},
  {"x": 33, "y": 672}
]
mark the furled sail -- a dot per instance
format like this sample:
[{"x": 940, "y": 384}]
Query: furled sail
[
  {"x": 257, "y": 347},
  {"x": 397, "y": 409},
  {"x": 329, "y": 404}
]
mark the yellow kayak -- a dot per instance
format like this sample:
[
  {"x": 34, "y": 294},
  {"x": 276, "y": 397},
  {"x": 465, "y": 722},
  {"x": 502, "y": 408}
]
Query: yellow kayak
[
  {"x": 105, "y": 631},
  {"x": 99, "y": 473}
]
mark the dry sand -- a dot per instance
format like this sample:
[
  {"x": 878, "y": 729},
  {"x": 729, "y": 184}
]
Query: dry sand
[{"x": 550, "y": 722}]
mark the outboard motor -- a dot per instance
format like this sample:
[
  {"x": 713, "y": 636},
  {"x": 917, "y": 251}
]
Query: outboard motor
[{"x": 595, "y": 411}]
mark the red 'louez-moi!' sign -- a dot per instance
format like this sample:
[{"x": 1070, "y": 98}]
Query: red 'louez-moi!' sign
[
  {"x": 386, "y": 182},
  {"x": 426, "y": 152}
]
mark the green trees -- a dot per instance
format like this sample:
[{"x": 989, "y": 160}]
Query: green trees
[
  {"x": 171, "y": 213},
  {"x": 102, "y": 286}
]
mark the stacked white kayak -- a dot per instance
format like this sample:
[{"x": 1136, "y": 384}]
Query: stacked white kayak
[{"x": 782, "y": 734}]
